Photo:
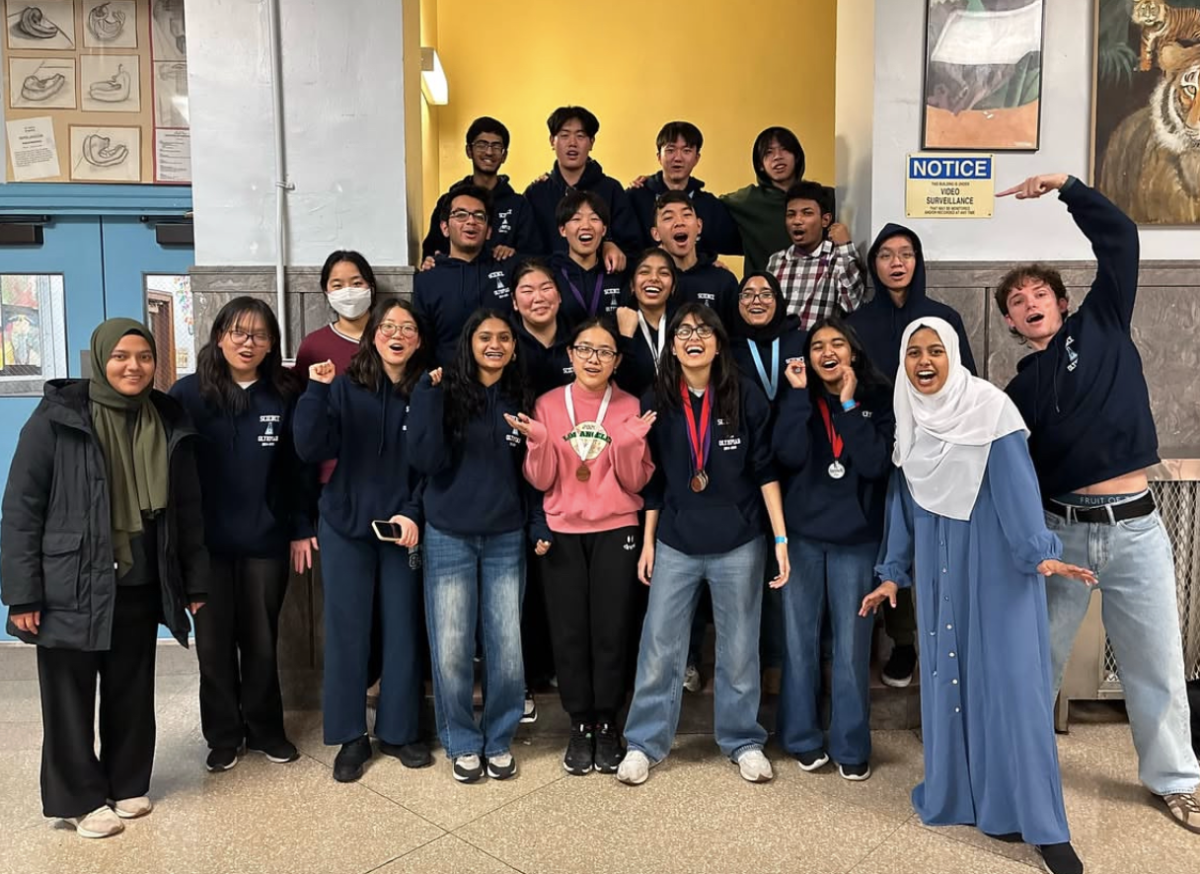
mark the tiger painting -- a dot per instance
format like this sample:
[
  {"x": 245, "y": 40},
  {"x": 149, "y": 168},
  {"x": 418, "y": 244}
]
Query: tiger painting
[
  {"x": 1161, "y": 25},
  {"x": 1151, "y": 164}
]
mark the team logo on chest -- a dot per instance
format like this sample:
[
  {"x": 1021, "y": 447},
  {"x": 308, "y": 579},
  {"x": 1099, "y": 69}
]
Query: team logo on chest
[
  {"x": 1072, "y": 355},
  {"x": 269, "y": 436}
]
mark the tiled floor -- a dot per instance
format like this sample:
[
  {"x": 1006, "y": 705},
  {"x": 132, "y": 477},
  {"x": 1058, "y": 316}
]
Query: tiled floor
[{"x": 694, "y": 815}]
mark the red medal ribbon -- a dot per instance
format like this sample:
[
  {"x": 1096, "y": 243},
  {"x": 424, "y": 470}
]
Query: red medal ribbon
[
  {"x": 698, "y": 439},
  {"x": 835, "y": 439}
]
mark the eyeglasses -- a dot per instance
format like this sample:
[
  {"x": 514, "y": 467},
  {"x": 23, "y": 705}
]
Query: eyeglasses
[
  {"x": 585, "y": 352},
  {"x": 686, "y": 332},
  {"x": 389, "y": 329},
  {"x": 756, "y": 296},
  {"x": 485, "y": 146},
  {"x": 461, "y": 215},
  {"x": 260, "y": 338}
]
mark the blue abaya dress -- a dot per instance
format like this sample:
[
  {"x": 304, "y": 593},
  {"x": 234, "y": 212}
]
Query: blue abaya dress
[{"x": 986, "y": 697}]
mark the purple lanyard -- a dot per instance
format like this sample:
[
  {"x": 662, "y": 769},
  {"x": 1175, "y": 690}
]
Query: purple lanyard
[{"x": 591, "y": 311}]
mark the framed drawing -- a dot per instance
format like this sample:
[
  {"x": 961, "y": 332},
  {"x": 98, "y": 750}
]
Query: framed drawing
[
  {"x": 983, "y": 74},
  {"x": 1146, "y": 109}
]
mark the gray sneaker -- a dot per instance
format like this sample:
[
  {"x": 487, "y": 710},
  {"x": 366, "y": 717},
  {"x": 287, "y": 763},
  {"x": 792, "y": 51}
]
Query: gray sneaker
[{"x": 691, "y": 679}]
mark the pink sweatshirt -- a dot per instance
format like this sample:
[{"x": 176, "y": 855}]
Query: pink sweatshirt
[{"x": 609, "y": 499}]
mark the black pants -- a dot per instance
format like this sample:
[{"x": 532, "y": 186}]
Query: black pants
[
  {"x": 590, "y": 582},
  {"x": 536, "y": 648},
  {"x": 237, "y": 634},
  {"x": 901, "y": 621},
  {"x": 74, "y": 781}
]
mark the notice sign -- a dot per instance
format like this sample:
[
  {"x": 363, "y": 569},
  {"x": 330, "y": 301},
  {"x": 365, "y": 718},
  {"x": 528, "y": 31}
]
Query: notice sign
[{"x": 943, "y": 185}]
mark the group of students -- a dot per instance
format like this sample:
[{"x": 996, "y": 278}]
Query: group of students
[{"x": 521, "y": 423}]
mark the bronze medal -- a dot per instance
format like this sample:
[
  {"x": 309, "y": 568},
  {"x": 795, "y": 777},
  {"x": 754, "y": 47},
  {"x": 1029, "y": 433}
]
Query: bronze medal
[
  {"x": 699, "y": 481},
  {"x": 583, "y": 473}
]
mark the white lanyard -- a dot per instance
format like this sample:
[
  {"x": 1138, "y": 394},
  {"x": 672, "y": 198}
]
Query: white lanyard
[
  {"x": 662, "y": 338},
  {"x": 582, "y": 449}
]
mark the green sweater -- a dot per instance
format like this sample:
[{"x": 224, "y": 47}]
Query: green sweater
[{"x": 759, "y": 211}]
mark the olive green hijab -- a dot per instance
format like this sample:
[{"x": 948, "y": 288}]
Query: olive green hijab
[{"x": 134, "y": 441}]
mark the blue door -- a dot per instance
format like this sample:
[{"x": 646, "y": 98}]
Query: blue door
[{"x": 99, "y": 258}]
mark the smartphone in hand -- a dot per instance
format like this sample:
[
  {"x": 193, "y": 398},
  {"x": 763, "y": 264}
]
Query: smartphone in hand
[{"x": 387, "y": 530}]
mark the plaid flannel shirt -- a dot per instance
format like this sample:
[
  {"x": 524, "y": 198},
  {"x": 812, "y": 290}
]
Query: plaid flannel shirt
[{"x": 815, "y": 285}]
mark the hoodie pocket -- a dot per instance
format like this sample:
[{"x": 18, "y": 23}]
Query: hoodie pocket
[{"x": 60, "y": 569}]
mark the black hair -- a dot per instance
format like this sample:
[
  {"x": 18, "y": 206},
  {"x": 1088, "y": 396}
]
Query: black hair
[
  {"x": 668, "y": 197},
  {"x": 485, "y": 124},
  {"x": 573, "y": 200},
  {"x": 680, "y": 130},
  {"x": 337, "y": 256},
  {"x": 787, "y": 140},
  {"x": 647, "y": 254},
  {"x": 465, "y": 189},
  {"x": 605, "y": 323},
  {"x": 465, "y": 397},
  {"x": 531, "y": 265},
  {"x": 869, "y": 376},
  {"x": 366, "y": 368},
  {"x": 822, "y": 195},
  {"x": 217, "y": 386},
  {"x": 559, "y": 118},
  {"x": 724, "y": 379}
]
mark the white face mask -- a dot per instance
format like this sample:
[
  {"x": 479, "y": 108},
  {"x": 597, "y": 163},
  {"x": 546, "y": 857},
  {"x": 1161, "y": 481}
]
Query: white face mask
[{"x": 350, "y": 303}]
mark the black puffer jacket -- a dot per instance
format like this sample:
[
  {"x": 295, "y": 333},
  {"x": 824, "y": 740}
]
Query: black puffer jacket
[{"x": 56, "y": 536}]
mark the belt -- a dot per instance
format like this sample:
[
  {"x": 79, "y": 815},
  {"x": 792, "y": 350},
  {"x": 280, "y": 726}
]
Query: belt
[{"x": 1107, "y": 514}]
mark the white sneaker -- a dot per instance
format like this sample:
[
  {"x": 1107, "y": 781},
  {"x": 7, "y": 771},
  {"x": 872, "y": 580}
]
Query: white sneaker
[
  {"x": 635, "y": 768},
  {"x": 755, "y": 767},
  {"x": 132, "y": 808},
  {"x": 100, "y": 823}
]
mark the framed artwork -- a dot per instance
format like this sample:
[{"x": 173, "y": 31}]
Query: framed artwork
[
  {"x": 983, "y": 75},
  {"x": 1146, "y": 109}
]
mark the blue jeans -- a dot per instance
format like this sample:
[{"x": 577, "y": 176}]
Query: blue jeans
[
  {"x": 735, "y": 582},
  {"x": 1136, "y": 568},
  {"x": 470, "y": 582},
  {"x": 352, "y": 569},
  {"x": 833, "y": 578}
]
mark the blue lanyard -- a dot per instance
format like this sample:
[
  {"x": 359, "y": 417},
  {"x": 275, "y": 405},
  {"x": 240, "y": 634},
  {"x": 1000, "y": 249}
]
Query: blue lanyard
[{"x": 771, "y": 386}]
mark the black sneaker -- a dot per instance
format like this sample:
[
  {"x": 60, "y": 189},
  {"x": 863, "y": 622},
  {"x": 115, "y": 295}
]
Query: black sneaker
[
  {"x": 609, "y": 752},
  {"x": 855, "y": 773},
  {"x": 812, "y": 760},
  {"x": 580, "y": 754},
  {"x": 413, "y": 755},
  {"x": 348, "y": 766},
  {"x": 1060, "y": 859},
  {"x": 222, "y": 759},
  {"x": 468, "y": 769},
  {"x": 502, "y": 767},
  {"x": 529, "y": 714},
  {"x": 898, "y": 672},
  {"x": 280, "y": 752}
]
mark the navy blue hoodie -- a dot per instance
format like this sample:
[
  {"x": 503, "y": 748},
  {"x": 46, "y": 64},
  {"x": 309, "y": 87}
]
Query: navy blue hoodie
[
  {"x": 257, "y": 494},
  {"x": 846, "y": 511},
  {"x": 546, "y": 367},
  {"x": 545, "y": 194},
  {"x": 880, "y": 324},
  {"x": 1084, "y": 397},
  {"x": 729, "y": 513},
  {"x": 512, "y": 222},
  {"x": 366, "y": 432},
  {"x": 793, "y": 342},
  {"x": 566, "y": 272},
  {"x": 719, "y": 234},
  {"x": 713, "y": 286},
  {"x": 447, "y": 294},
  {"x": 477, "y": 488}
]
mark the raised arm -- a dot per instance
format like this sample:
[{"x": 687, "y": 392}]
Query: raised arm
[
  {"x": 1114, "y": 239},
  {"x": 426, "y": 438},
  {"x": 851, "y": 286},
  {"x": 316, "y": 427}
]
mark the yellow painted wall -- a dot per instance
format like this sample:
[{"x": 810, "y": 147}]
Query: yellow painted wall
[
  {"x": 430, "y": 122},
  {"x": 733, "y": 68}
]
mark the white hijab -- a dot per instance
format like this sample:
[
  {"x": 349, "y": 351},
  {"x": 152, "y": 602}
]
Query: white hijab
[{"x": 943, "y": 440}]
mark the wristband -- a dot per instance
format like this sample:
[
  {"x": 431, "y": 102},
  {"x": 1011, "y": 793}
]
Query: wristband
[
  {"x": 780, "y": 539},
  {"x": 849, "y": 405}
]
